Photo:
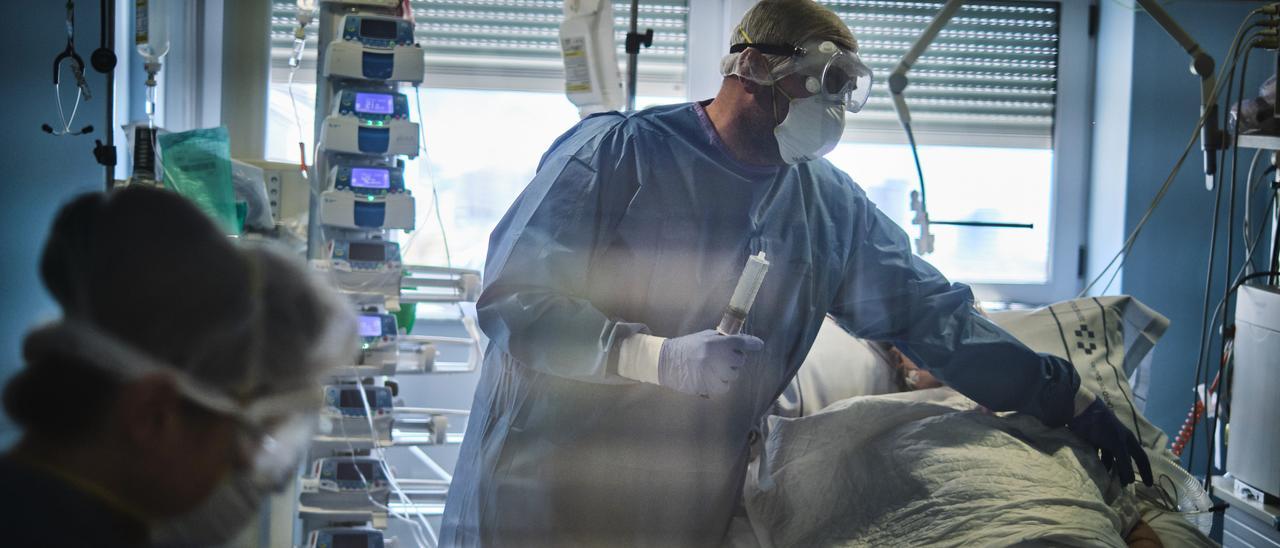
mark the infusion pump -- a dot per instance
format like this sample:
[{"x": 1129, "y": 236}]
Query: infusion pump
[
  {"x": 370, "y": 267},
  {"x": 370, "y": 122},
  {"x": 375, "y": 47},
  {"x": 365, "y": 197}
]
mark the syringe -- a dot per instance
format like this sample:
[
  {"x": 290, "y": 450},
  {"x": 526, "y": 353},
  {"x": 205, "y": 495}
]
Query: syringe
[{"x": 744, "y": 295}]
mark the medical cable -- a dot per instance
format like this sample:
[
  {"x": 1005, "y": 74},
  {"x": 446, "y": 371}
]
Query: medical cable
[
  {"x": 1201, "y": 371},
  {"x": 1253, "y": 189},
  {"x": 1248, "y": 193},
  {"x": 1214, "y": 321},
  {"x": 1121, "y": 255},
  {"x": 1202, "y": 367},
  {"x": 386, "y": 470},
  {"x": 435, "y": 193},
  {"x": 407, "y": 9},
  {"x": 915, "y": 154},
  {"x": 1211, "y": 434},
  {"x": 419, "y": 536}
]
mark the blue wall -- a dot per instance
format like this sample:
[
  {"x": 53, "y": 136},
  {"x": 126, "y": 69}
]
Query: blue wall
[
  {"x": 41, "y": 171},
  {"x": 1166, "y": 269}
]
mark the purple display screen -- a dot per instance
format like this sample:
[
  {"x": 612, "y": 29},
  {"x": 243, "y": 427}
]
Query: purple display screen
[
  {"x": 370, "y": 326},
  {"x": 374, "y": 103},
  {"x": 363, "y": 177}
]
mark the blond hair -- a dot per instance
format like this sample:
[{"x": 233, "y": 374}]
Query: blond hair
[{"x": 793, "y": 22}]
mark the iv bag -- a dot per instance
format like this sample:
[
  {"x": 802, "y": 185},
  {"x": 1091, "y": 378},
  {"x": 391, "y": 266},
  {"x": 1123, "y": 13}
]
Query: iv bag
[{"x": 151, "y": 29}]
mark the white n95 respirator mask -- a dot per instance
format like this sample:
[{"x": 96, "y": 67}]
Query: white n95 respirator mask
[{"x": 812, "y": 128}]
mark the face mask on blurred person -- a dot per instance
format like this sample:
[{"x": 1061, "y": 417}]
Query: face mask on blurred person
[{"x": 232, "y": 506}]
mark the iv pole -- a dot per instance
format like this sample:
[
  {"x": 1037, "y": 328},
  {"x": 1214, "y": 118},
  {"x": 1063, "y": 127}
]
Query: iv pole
[{"x": 634, "y": 41}]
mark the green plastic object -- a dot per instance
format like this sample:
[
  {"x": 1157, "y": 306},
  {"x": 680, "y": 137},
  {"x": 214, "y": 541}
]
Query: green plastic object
[
  {"x": 406, "y": 316},
  {"x": 197, "y": 164},
  {"x": 242, "y": 213}
]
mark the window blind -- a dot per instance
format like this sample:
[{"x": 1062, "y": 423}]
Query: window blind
[
  {"x": 510, "y": 44},
  {"x": 990, "y": 77}
]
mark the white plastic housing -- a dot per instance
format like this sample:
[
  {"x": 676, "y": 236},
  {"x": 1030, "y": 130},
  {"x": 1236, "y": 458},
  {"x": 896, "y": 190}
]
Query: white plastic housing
[
  {"x": 342, "y": 134},
  {"x": 338, "y": 208},
  {"x": 345, "y": 59}
]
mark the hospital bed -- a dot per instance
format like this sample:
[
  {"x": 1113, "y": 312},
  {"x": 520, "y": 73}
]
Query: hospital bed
[{"x": 849, "y": 460}]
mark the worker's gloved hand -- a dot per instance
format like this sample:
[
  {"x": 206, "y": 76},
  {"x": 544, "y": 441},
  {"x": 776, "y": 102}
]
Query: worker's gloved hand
[
  {"x": 705, "y": 363},
  {"x": 1119, "y": 447}
]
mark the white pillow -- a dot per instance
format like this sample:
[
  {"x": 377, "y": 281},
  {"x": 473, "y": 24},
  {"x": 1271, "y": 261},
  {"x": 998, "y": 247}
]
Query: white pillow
[
  {"x": 839, "y": 366},
  {"x": 1105, "y": 338}
]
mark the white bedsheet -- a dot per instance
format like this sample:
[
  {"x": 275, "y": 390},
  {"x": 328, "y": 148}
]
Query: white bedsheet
[{"x": 929, "y": 468}]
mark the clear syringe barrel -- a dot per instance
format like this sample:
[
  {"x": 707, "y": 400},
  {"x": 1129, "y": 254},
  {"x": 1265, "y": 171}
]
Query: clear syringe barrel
[{"x": 744, "y": 295}]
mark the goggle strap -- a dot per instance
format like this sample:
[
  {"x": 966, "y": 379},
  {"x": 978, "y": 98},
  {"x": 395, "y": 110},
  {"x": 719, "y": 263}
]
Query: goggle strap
[{"x": 769, "y": 49}]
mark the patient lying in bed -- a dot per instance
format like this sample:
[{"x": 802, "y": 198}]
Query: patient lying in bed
[{"x": 919, "y": 464}]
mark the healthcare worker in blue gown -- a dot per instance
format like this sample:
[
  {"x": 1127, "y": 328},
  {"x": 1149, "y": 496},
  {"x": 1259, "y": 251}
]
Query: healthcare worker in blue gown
[{"x": 609, "y": 413}]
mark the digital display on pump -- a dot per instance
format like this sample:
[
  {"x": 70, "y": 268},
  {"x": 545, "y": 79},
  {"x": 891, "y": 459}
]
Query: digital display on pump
[
  {"x": 350, "y": 399},
  {"x": 350, "y": 540},
  {"x": 370, "y": 326},
  {"x": 365, "y": 177},
  {"x": 374, "y": 103},
  {"x": 381, "y": 29},
  {"x": 352, "y": 471},
  {"x": 367, "y": 252}
]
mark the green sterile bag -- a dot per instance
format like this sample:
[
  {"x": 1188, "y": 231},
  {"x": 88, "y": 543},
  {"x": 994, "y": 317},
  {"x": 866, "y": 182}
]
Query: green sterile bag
[{"x": 197, "y": 164}]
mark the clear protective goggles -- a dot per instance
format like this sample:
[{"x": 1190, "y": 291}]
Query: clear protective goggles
[
  {"x": 273, "y": 431},
  {"x": 837, "y": 75}
]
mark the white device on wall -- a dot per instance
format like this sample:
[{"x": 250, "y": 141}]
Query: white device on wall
[
  {"x": 366, "y": 197},
  {"x": 1255, "y": 408},
  {"x": 590, "y": 57},
  {"x": 375, "y": 47},
  {"x": 370, "y": 122}
]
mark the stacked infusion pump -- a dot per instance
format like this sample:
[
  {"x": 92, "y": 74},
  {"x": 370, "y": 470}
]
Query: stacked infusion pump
[{"x": 347, "y": 492}]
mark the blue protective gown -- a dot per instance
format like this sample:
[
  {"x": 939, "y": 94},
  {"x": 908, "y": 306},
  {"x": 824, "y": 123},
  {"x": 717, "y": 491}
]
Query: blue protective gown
[{"x": 642, "y": 223}]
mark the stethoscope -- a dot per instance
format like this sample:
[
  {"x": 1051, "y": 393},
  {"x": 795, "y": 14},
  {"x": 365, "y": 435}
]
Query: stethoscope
[{"x": 103, "y": 61}]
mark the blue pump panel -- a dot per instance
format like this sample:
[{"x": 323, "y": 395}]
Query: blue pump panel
[
  {"x": 378, "y": 66},
  {"x": 370, "y": 215},
  {"x": 373, "y": 140}
]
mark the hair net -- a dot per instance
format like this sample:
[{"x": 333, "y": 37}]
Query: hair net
[{"x": 148, "y": 286}]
